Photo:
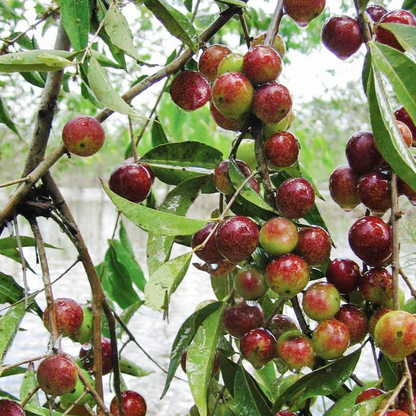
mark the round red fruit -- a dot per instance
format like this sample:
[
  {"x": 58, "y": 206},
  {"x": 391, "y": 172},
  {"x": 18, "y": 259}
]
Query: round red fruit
[{"x": 133, "y": 404}]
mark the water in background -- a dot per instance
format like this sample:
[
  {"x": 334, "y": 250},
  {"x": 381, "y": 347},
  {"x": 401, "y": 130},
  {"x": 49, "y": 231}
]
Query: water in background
[{"x": 96, "y": 218}]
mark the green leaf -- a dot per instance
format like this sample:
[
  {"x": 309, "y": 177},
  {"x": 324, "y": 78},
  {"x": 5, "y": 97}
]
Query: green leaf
[
  {"x": 405, "y": 34},
  {"x": 389, "y": 371},
  {"x": 165, "y": 280},
  {"x": 320, "y": 382},
  {"x": 200, "y": 359},
  {"x": 11, "y": 242},
  {"x": 386, "y": 133},
  {"x": 410, "y": 5},
  {"x": 233, "y": 2},
  {"x": 249, "y": 398},
  {"x": 129, "y": 312},
  {"x": 10, "y": 291},
  {"x": 102, "y": 88},
  {"x": 124, "y": 239},
  {"x": 175, "y": 22},
  {"x": 27, "y": 387},
  {"x": 12, "y": 371},
  {"x": 119, "y": 32},
  {"x": 248, "y": 193},
  {"x": 36, "y": 60},
  {"x": 158, "y": 134},
  {"x": 188, "y": 5},
  {"x": 131, "y": 368},
  {"x": 34, "y": 78},
  {"x": 177, "y": 202},
  {"x": 9, "y": 325},
  {"x": 8, "y": 9},
  {"x": 154, "y": 221},
  {"x": 362, "y": 4},
  {"x": 173, "y": 163},
  {"x": 228, "y": 371},
  {"x": 6, "y": 119},
  {"x": 75, "y": 15},
  {"x": 184, "y": 337}
]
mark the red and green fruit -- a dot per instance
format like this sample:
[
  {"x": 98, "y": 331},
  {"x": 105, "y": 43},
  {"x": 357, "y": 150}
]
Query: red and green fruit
[
  {"x": 237, "y": 237},
  {"x": 57, "y": 375},
  {"x": 376, "y": 285},
  {"x": 85, "y": 331},
  {"x": 278, "y": 236},
  {"x": 278, "y": 43},
  {"x": 282, "y": 125},
  {"x": 262, "y": 64},
  {"x": 133, "y": 404},
  {"x": 240, "y": 316},
  {"x": 330, "y": 339},
  {"x": 395, "y": 334},
  {"x": 190, "y": 90},
  {"x": 83, "y": 136},
  {"x": 368, "y": 394},
  {"x": 210, "y": 59},
  {"x": 344, "y": 274},
  {"x": 258, "y": 346},
  {"x": 209, "y": 253},
  {"x": 355, "y": 319},
  {"x": 131, "y": 180},
  {"x": 280, "y": 323},
  {"x": 10, "y": 408},
  {"x": 250, "y": 282},
  {"x": 295, "y": 350},
  {"x": 68, "y": 399},
  {"x": 303, "y": 11},
  {"x": 69, "y": 317},
  {"x": 236, "y": 124},
  {"x": 321, "y": 301},
  {"x": 314, "y": 245},
  {"x": 231, "y": 63},
  {"x": 282, "y": 149},
  {"x": 247, "y": 152},
  {"x": 287, "y": 275}
]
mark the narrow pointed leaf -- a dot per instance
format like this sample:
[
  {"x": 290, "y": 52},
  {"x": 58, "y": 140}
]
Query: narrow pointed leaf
[
  {"x": 176, "y": 202},
  {"x": 6, "y": 119},
  {"x": 158, "y": 133},
  {"x": 154, "y": 221},
  {"x": 188, "y": 5},
  {"x": 165, "y": 280},
  {"x": 10, "y": 291},
  {"x": 320, "y": 382},
  {"x": 131, "y": 368},
  {"x": 386, "y": 134},
  {"x": 173, "y": 163},
  {"x": 200, "y": 359},
  {"x": 75, "y": 15},
  {"x": 29, "y": 383},
  {"x": 119, "y": 32},
  {"x": 184, "y": 337},
  {"x": 8, "y": 9},
  {"x": 11, "y": 242},
  {"x": 9, "y": 325},
  {"x": 102, "y": 88},
  {"x": 405, "y": 34},
  {"x": 250, "y": 400},
  {"x": 175, "y": 22}
]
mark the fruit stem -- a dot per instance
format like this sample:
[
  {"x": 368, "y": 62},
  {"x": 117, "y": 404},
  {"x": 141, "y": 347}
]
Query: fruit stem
[
  {"x": 395, "y": 216},
  {"x": 274, "y": 24},
  {"x": 244, "y": 26},
  {"x": 394, "y": 395},
  {"x": 299, "y": 315},
  {"x": 133, "y": 145},
  {"x": 410, "y": 393},
  {"x": 14, "y": 182},
  {"x": 364, "y": 27},
  {"x": 407, "y": 281},
  {"x": 276, "y": 308}
]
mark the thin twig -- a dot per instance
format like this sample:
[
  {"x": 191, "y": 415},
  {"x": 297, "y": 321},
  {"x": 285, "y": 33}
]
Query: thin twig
[
  {"x": 274, "y": 24},
  {"x": 15, "y": 182},
  {"x": 393, "y": 396},
  {"x": 23, "y": 260},
  {"x": 396, "y": 241}
]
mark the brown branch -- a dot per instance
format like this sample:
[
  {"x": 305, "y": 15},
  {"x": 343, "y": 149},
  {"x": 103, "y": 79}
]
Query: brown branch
[{"x": 395, "y": 216}]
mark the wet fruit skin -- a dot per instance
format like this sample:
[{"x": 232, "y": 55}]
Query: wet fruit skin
[
  {"x": 368, "y": 394},
  {"x": 278, "y": 236},
  {"x": 57, "y": 375},
  {"x": 133, "y": 404},
  {"x": 87, "y": 358},
  {"x": 262, "y": 64},
  {"x": 279, "y": 324},
  {"x": 210, "y": 59},
  {"x": 282, "y": 149},
  {"x": 402, "y": 115},
  {"x": 83, "y": 136},
  {"x": 278, "y": 43},
  {"x": 370, "y": 239},
  {"x": 321, "y": 301},
  {"x": 355, "y": 320},
  {"x": 240, "y": 317},
  {"x": 344, "y": 274},
  {"x": 296, "y": 350},
  {"x": 376, "y": 285},
  {"x": 343, "y": 184},
  {"x": 376, "y": 12},
  {"x": 374, "y": 192},
  {"x": 258, "y": 346},
  {"x": 227, "y": 123},
  {"x": 314, "y": 245},
  {"x": 342, "y": 36},
  {"x": 10, "y": 408},
  {"x": 190, "y": 90},
  {"x": 209, "y": 253},
  {"x": 237, "y": 237},
  {"x": 250, "y": 283},
  {"x": 395, "y": 334},
  {"x": 303, "y": 11}
]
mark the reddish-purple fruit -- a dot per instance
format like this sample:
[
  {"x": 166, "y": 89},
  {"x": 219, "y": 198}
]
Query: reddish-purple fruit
[
  {"x": 133, "y": 404},
  {"x": 285, "y": 413},
  {"x": 222, "y": 181},
  {"x": 83, "y": 136},
  {"x": 386, "y": 37},
  {"x": 402, "y": 115},
  {"x": 295, "y": 198},
  {"x": 258, "y": 346},
  {"x": 330, "y": 339},
  {"x": 250, "y": 283},
  {"x": 375, "y": 317},
  {"x": 237, "y": 238},
  {"x": 10, "y": 408},
  {"x": 262, "y": 64},
  {"x": 405, "y": 132},
  {"x": 279, "y": 324},
  {"x": 272, "y": 103},
  {"x": 209, "y": 253},
  {"x": 210, "y": 59},
  {"x": 236, "y": 124},
  {"x": 282, "y": 149},
  {"x": 86, "y": 355},
  {"x": 343, "y": 184},
  {"x": 278, "y": 236},
  {"x": 362, "y": 153},
  {"x": 233, "y": 94},
  {"x": 321, "y": 301},
  {"x": 131, "y": 181},
  {"x": 69, "y": 316},
  {"x": 303, "y": 11},
  {"x": 287, "y": 275},
  {"x": 374, "y": 191},
  {"x": 145, "y": 165},
  {"x": 376, "y": 12},
  {"x": 342, "y": 36},
  {"x": 190, "y": 90},
  {"x": 57, "y": 375},
  {"x": 240, "y": 317},
  {"x": 295, "y": 350},
  {"x": 376, "y": 285},
  {"x": 355, "y": 320},
  {"x": 344, "y": 274},
  {"x": 278, "y": 43},
  {"x": 368, "y": 394},
  {"x": 370, "y": 239},
  {"x": 406, "y": 190},
  {"x": 314, "y": 245}
]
